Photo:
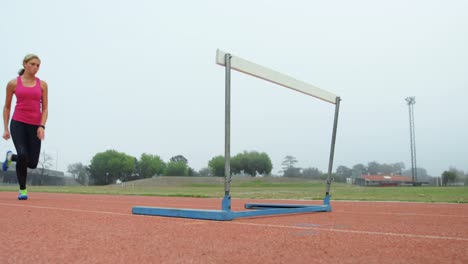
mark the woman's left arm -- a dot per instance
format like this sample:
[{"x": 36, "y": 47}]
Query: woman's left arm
[{"x": 45, "y": 110}]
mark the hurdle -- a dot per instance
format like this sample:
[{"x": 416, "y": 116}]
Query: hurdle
[{"x": 226, "y": 214}]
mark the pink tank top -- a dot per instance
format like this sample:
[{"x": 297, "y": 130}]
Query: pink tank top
[{"x": 28, "y": 103}]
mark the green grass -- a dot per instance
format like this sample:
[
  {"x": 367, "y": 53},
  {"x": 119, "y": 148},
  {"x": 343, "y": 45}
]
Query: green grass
[{"x": 265, "y": 189}]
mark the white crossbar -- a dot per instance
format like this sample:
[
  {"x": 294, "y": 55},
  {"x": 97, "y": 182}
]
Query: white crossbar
[{"x": 264, "y": 73}]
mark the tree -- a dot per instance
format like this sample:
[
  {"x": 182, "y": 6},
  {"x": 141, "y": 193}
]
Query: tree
[
  {"x": 109, "y": 166},
  {"x": 179, "y": 158},
  {"x": 79, "y": 172},
  {"x": 398, "y": 167},
  {"x": 421, "y": 173},
  {"x": 251, "y": 163},
  {"x": 343, "y": 172},
  {"x": 387, "y": 169},
  {"x": 45, "y": 162},
  {"x": 373, "y": 167},
  {"x": 216, "y": 164},
  {"x": 260, "y": 163},
  {"x": 359, "y": 170},
  {"x": 288, "y": 162},
  {"x": 288, "y": 167},
  {"x": 292, "y": 172},
  {"x": 376, "y": 168},
  {"x": 205, "y": 171},
  {"x": 458, "y": 172},
  {"x": 150, "y": 165},
  {"x": 176, "y": 168},
  {"x": 192, "y": 172},
  {"x": 453, "y": 175},
  {"x": 312, "y": 173},
  {"x": 448, "y": 177}
]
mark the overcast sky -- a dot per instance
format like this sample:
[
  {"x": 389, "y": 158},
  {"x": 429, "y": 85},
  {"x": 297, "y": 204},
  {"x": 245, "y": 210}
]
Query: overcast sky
[{"x": 140, "y": 77}]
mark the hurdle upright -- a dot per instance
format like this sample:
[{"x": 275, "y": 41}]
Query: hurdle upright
[{"x": 225, "y": 214}]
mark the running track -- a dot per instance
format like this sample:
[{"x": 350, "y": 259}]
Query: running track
[{"x": 73, "y": 228}]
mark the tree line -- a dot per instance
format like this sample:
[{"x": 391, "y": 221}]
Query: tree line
[
  {"x": 454, "y": 176},
  {"x": 111, "y": 166}
]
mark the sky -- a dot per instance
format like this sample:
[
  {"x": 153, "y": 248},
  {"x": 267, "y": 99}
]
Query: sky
[{"x": 140, "y": 77}]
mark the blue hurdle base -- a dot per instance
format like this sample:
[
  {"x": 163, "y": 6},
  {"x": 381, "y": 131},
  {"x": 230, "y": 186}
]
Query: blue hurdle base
[{"x": 227, "y": 215}]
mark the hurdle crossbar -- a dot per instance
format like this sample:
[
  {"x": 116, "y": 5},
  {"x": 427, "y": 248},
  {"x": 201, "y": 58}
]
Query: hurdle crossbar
[{"x": 226, "y": 214}]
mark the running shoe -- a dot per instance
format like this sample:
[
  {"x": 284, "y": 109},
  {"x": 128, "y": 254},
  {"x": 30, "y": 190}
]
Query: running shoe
[
  {"x": 7, "y": 161},
  {"x": 23, "y": 194}
]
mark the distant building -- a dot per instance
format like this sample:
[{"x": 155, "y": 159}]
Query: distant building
[
  {"x": 37, "y": 176},
  {"x": 383, "y": 180}
]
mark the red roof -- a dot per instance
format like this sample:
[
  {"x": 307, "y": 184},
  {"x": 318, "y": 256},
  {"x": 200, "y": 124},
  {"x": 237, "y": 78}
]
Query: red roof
[{"x": 386, "y": 178}]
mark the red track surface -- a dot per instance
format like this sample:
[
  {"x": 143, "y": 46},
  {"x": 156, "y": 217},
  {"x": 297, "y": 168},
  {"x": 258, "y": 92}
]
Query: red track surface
[{"x": 72, "y": 228}]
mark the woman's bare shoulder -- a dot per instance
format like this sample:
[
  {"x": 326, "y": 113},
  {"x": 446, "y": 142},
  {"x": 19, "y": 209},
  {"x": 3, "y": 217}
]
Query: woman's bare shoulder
[
  {"x": 43, "y": 84},
  {"x": 13, "y": 82},
  {"x": 11, "y": 86}
]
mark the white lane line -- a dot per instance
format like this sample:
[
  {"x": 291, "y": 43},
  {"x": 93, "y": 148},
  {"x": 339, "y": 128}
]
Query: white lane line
[
  {"x": 261, "y": 225},
  {"x": 400, "y": 214},
  {"x": 189, "y": 205},
  {"x": 65, "y": 209},
  {"x": 352, "y": 231}
]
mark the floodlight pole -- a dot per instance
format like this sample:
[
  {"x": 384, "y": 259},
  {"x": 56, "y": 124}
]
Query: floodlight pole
[
  {"x": 332, "y": 150},
  {"x": 226, "y": 203},
  {"x": 414, "y": 173}
]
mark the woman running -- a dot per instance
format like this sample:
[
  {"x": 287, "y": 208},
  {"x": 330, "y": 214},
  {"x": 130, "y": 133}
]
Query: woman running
[{"x": 28, "y": 121}]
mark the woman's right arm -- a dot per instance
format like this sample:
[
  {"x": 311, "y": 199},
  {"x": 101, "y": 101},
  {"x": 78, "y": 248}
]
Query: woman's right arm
[{"x": 10, "y": 89}]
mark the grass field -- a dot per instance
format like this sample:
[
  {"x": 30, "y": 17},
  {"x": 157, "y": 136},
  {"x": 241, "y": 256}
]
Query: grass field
[{"x": 262, "y": 188}]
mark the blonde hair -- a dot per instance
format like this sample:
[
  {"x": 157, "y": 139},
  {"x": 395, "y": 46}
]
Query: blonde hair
[{"x": 26, "y": 59}]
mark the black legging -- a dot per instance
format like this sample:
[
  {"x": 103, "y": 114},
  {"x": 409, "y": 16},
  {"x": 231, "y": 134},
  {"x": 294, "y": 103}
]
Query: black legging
[{"x": 28, "y": 149}]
